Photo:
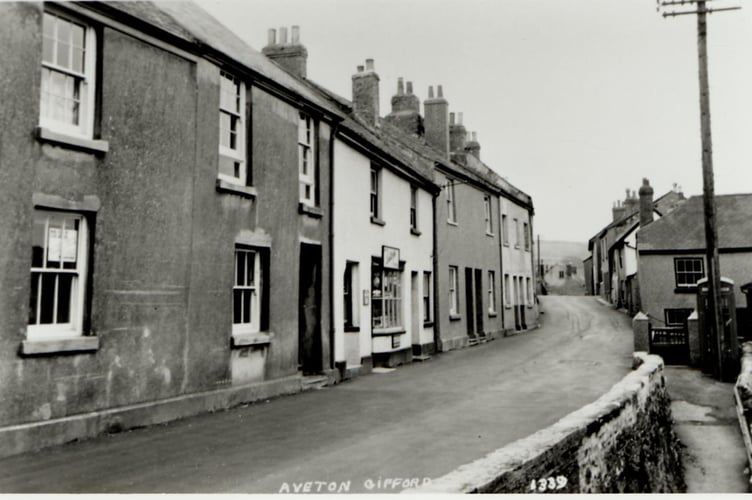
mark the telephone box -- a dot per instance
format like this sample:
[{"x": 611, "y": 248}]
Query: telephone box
[{"x": 729, "y": 344}]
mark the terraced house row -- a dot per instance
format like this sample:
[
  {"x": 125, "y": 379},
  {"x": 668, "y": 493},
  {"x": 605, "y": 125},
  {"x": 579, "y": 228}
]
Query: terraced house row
[{"x": 189, "y": 223}]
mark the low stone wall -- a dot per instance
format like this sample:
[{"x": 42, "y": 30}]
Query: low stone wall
[
  {"x": 743, "y": 396},
  {"x": 624, "y": 442}
]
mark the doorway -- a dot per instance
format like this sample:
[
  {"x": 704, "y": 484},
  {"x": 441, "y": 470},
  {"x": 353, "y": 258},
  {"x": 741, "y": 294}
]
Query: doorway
[{"x": 309, "y": 310}]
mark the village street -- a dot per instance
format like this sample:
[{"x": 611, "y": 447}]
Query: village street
[{"x": 419, "y": 421}]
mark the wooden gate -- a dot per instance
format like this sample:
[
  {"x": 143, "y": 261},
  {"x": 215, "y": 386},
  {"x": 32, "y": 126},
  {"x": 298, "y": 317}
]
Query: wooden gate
[{"x": 670, "y": 343}]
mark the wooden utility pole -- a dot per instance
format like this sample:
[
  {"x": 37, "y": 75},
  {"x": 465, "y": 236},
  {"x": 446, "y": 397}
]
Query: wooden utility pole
[{"x": 714, "y": 313}]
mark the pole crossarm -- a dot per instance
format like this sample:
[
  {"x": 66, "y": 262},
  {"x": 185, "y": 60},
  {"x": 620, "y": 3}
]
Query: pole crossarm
[{"x": 704, "y": 11}]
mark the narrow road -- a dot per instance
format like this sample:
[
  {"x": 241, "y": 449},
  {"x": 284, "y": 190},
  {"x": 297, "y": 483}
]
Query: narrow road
[{"x": 419, "y": 421}]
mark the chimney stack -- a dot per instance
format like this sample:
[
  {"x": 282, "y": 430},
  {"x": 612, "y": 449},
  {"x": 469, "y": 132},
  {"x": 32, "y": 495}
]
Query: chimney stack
[
  {"x": 619, "y": 210},
  {"x": 437, "y": 121},
  {"x": 365, "y": 90},
  {"x": 405, "y": 112},
  {"x": 292, "y": 56},
  {"x": 457, "y": 134},
  {"x": 473, "y": 146},
  {"x": 631, "y": 203},
  {"x": 646, "y": 203}
]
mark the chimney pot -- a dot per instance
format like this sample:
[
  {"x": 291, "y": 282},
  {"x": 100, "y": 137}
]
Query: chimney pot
[
  {"x": 439, "y": 91},
  {"x": 459, "y": 118},
  {"x": 646, "y": 203},
  {"x": 296, "y": 34},
  {"x": 283, "y": 36},
  {"x": 369, "y": 65},
  {"x": 400, "y": 86},
  {"x": 451, "y": 118},
  {"x": 410, "y": 88},
  {"x": 272, "y": 39},
  {"x": 430, "y": 91},
  {"x": 360, "y": 68}
]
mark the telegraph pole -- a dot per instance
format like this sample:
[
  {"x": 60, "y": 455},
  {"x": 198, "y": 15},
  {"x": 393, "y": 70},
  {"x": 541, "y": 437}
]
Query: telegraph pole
[{"x": 715, "y": 314}]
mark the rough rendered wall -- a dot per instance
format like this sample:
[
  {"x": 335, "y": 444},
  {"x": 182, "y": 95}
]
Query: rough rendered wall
[{"x": 622, "y": 443}]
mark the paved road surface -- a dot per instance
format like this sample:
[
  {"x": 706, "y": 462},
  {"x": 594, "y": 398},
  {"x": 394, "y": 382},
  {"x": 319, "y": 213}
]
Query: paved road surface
[{"x": 422, "y": 420}]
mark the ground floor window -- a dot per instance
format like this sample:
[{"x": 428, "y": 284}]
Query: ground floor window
[
  {"x": 350, "y": 295},
  {"x": 491, "y": 292},
  {"x": 386, "y": 296},
  {"x": 507, "y": 291},
  {"x": 427, "y": 306},
  {"x": 249, "y": 290},
  {"x": 59, "y": 260},
  {"x": 677, "y": 317},
  {"x": 529, "y": 283},
  {"x": 454, "y": 303}
]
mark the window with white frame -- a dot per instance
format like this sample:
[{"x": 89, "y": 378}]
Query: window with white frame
[
  {"x": 451, "y": 204},
  {"x": 375, "y": 192},
  {"x": 427, "y": 303},
  {"x": 504, "y": 229},
  {"x": 487, "y": 209},
  {"x": 232, "y": 136},
  {"x": 517, "y": 238},
  {"x": 68, "y": 75},
  {"x": 350, "y": 296},
  {"x": 454, "y": 299},
  {"x": 59, "y": 259},
  {"x": 246, "y": 291},
  {"x": 307, "y": 159},
  {"x": 526, "y": 235},
  {"x": 413, "y": 208},
  {"x": 688, "y": 271},
  {"x": 386, "y": 296},
  {"x": 491, "y": 292},
  {"x": 507, "y": 292}
]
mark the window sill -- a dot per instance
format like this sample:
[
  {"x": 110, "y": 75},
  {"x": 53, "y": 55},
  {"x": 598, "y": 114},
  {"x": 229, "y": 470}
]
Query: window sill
[
  {"x": 506, "y": 244},
  {"x": 427, "y": 324},
  {"x": 351, "y": 329},
  {"x": 59, "y": 346},
  {"x": 247, "y": 339},
  {"x": 516, "y": 247},
  {"x": 452, "y": 223},
  {"x": 89, "y": 145},
  {"x": 490, "y": 234},
  {"x": 415, "y": 232},
  {"x": 508, "y": 306},
  {"x": 529, "y": 306},
  {"x": 492, "y": 314},
  {"x": 224, "y": 186},
  {"x": 315, "y": 212},
  {"x": 377, "y": 221},
  {"x": 687, "y": 289},
  {"x": 454, "y": 317},
  {"x": 397, "y": 330}
]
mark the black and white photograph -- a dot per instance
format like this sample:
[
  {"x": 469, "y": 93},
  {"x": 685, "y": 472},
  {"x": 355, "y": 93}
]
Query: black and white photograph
[{"x": 375, "y": 246}]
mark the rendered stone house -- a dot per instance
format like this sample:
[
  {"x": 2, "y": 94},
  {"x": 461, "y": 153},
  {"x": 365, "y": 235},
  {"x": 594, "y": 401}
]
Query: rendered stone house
[
  {"x": 166, "y": 219},
  {"x": 672, "y": 257}
]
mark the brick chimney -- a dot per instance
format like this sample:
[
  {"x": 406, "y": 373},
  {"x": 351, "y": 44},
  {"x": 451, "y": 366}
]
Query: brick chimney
[
  {"x": 365, "y": 90},
  {"x": 457, "y": 134},
  {"x": 292, "y": 56},
  {"x": 473, "y": 146},
  {"x": 437, "y": 120},
  {"x": 646, "y": 203},
  {"x": 619, "y": 210},
  {"x": 406, "y": 110},
  {"x": 631, "y": 202}
]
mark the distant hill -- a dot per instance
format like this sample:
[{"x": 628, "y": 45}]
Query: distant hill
[{"x": 563, "y": 251}]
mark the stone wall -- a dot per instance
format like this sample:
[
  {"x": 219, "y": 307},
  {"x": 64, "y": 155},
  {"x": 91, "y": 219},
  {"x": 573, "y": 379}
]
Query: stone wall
[{"x": 622, "y": 443}]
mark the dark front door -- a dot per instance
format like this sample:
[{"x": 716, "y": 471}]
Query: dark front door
[
  {"x": 479, "y": 302},
  {"x": 470, "y": 308},
  {"x": 309, "y": 311}
]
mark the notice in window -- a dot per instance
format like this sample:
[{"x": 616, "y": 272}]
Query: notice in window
[
  {"x": 54, "y": 244},
  {"x": 70, "y": 245}
]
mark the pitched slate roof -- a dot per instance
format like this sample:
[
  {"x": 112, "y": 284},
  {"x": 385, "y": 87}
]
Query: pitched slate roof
[
  {"x": 193, "y": 25},
  {"x": 684, "y": 227}
]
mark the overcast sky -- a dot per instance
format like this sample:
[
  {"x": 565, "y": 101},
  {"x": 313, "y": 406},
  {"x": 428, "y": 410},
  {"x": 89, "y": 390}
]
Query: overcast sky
[{"x": 573, "y": 101}]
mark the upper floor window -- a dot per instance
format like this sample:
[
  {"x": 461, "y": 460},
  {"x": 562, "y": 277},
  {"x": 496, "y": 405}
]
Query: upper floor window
[
  {"x": 487, "y": 210},
  {"x": 413, "y": 208},
  {"x": 504, "y": 229},
  {"x": 307, "y": 159},
  {"x": 232, "y": 165},
  {"x": 517, "y": 238},
  {"x": 375, "y": 193},
  {"x": 68, "y": 75},
  {"x": 451, "y": 204},
  {"x": 688, "y": 271},
  {"x": 59, "y": 259},
  {"x": 526, "y": 235}
]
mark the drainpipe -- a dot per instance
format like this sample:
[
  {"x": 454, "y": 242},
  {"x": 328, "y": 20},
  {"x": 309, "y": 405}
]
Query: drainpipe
[
  {"x": 435, "y": 244},
  {"x": 332, "y": 132},
  {"x": 502, "y": 306}
]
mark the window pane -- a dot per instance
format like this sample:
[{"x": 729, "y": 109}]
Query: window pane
[
  {"x": 237, "y": 296},
  {"x": 48, "y": 25},
  {"x": 48, "y": 298},
  {"x": 229, "y": 167},
  {"x": 240, "y": 269},
  {"x": 33, "y": 296},
  {"x": 37, "y": 243},
  {"x": 48, "y": 49},
  {"x": 63, "y": 55},
  {"x": 64, "y": 293},
  {"x": 247, "y": 294},
  {"x": 77, "y": 62},
  {"x": 251, "y": 261}
]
